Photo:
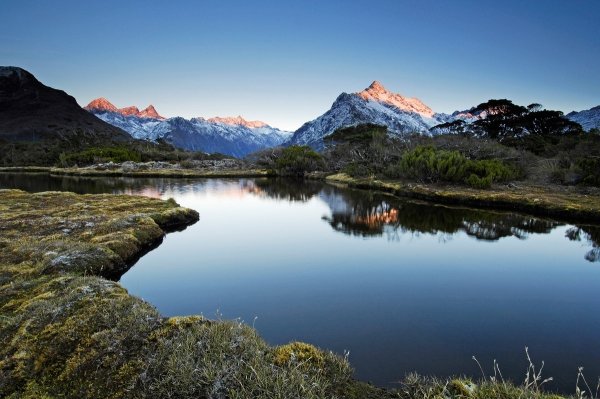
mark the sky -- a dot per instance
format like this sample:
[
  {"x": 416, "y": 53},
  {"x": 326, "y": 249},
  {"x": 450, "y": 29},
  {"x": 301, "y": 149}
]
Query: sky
[{"x": 285, "y": 62}]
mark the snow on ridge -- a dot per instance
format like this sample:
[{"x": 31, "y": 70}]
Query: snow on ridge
[
  {"x": 196, "y": 134},
  {"x": 588, "y": 119},
  {"x": 373, "y": 105}
]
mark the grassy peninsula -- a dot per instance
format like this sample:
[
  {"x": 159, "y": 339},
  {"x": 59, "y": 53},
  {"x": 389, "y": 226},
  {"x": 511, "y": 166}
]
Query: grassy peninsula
[{"x": 69, "y": 331}]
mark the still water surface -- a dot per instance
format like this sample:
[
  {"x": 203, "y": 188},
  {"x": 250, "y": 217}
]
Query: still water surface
[{"x": 403, "y": 286}]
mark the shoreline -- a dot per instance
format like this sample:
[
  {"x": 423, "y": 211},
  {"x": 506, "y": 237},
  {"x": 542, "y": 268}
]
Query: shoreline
[
  {"x": 560, "y": 203},
  {"x": 172, "y": 173},
  {"x": 537, "y": 201}
]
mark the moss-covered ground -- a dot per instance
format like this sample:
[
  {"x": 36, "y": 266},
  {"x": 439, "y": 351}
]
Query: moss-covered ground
[{"x": 67, "y": 331}]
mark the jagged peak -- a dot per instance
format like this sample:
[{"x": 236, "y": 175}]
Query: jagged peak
[
  {"x": 377, "y": 92},
  {"x": 376, "y": 85},
  {"x": 131, "y": 110},
  {"x": 237, "y": 120},
  {"x": 150, "y": 112},
  {"x": 101, "y": 104}
]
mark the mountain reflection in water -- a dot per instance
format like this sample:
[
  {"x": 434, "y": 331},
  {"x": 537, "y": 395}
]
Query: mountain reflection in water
[{"x": 366, "y": 213}]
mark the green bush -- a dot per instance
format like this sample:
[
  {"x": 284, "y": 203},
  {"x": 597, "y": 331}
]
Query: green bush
[
  {"x": 298, "y": 160},
  {"x": 98, "y": 155},
  {"x": 358, "y": 169},
  {"x": 428, "y": 164},
  {"x": 359, "y": 134},
  {"x": 588, "y": 168}
]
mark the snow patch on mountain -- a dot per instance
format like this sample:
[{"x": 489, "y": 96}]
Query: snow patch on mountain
[
  {"x": 588, "y": 119},
  {"x": 238, "y": 120}
]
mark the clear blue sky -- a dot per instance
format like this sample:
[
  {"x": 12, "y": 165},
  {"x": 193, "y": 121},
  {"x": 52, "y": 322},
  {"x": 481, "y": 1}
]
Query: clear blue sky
[{"x": 285, "y": 62}]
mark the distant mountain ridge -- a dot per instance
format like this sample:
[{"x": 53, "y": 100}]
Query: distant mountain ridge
[
  {"x": 588, "y": 119},
  {"x": 103, "y": 105},
  {"x": 234, "y": 136},
  {"x": 375, "y": 105},
  {"x": 403, "y": 116},
  {"x": 31, "y": 112}
]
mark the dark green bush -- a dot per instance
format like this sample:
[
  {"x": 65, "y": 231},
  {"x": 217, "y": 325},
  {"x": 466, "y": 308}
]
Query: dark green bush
[
  {"x": 588, "y": 169},
  {"x": 98, "y": 155},
  {"x": 428, "y": 164},
  {"x": 358, "y": 169},
  {"x": 359, "y": 134},
  {"x": 298, "y": 160}
]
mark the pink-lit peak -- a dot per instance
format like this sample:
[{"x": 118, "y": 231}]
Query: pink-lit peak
[
  {"x": 102, "y": 104},
  {"x": 376, "y": 92},
  {"x": 150, "y": 112},
  {"x": 237, "y": 120},
  {"x": 132, "y": 110}
]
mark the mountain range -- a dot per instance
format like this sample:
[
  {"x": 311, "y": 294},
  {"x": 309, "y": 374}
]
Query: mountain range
[
  {"x": 401, "y": 115},
  {"x": 227, "y": 135},
  {"x": 31, "y": 111}
]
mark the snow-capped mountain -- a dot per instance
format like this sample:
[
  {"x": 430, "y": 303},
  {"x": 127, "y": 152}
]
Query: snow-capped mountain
[
  {"x": 227, "y": 135},
  {"x": 375, "y": 104},
  {"x": 588, "y": 119},
  {"x": 101, "y": 104}
]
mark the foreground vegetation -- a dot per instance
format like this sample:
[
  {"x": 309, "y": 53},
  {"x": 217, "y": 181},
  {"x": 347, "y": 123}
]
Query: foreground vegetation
[{"x": 69, "y": 332}]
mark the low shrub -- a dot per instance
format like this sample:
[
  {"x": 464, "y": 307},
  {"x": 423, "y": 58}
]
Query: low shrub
[
  {"x": 588, "y": 169},
  {"x": 298, "y": 160},
  {"x": 99, "y": 155},
  {"x": 428, "y": 164}
]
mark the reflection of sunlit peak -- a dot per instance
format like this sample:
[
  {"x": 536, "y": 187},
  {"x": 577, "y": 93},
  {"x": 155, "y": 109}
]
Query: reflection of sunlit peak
[{"x": 379, "y": 218}]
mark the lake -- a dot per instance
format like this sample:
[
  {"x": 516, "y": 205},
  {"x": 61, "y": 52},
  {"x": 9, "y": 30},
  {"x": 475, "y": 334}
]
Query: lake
[{"x": 402, "y": 285}]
